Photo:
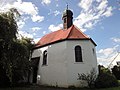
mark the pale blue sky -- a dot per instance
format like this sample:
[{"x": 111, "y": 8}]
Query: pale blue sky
[{"x": 99, "y": 19}]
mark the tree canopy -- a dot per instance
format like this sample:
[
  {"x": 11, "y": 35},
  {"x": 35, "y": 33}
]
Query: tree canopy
[
  {"x": 14, "y": 53},
  {"x": 116, "y": 71}
]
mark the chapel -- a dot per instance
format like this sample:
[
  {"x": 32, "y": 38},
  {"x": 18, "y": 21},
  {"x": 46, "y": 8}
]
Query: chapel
[{"x": 60, "y": 55}]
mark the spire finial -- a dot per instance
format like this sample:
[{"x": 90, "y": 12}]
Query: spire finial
[{"x": 67, "y": 5}]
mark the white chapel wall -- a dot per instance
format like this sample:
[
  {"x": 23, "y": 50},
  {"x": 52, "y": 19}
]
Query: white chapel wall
[
  {"x": 54, "y": 73},
  {"x": 89, "y": 60},
  {"x": 61, "y": 69}
]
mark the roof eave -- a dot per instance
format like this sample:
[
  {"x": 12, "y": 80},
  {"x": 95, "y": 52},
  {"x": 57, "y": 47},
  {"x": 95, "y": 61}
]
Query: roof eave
[
  {"x": 93, "y": 42},
  {"x": 64, "y": 40}
]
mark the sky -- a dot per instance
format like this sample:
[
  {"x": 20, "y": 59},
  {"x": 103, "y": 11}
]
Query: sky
[{"x": 99, "y": 19}]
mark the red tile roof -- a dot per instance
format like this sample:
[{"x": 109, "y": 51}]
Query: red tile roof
[{"x": 71, "y": 33}]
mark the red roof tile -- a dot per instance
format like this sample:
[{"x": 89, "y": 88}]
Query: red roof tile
[{"x": 71, "y": 33}]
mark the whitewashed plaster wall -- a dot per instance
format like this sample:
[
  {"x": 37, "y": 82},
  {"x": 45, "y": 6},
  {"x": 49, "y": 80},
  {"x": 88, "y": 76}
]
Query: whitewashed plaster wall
[
  {"x": 54, "y": 73},
  {"x": 88, "y": 57},
  {"x": 61, "y": 69}
]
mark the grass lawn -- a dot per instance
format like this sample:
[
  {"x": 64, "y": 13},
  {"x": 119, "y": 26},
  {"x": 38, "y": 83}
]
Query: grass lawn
[
  {"x": 115, "y": 88},
  {"x": 50, "y": 88}
]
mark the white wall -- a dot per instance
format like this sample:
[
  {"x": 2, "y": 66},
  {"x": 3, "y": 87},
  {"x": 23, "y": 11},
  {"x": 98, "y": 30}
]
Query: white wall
[
  {"x": 88, "y": 57},
  {"x": 61, "y": 69},
  {"x": 54, "y": 73}
]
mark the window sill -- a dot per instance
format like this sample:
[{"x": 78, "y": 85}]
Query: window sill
[
  {"x": 44, "y": 65},
  {"x": 78, "y": 62}
]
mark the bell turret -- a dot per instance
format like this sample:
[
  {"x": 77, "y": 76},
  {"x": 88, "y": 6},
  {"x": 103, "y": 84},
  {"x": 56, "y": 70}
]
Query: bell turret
[{"x": 67, "y": 18}]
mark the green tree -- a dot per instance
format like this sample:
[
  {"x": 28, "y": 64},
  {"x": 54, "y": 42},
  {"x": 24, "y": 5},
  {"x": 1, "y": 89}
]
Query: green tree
[
  {"x": 105, "y": 78},
  {"x": 8, "y": 30},
  {"x": 116, "y": 71},
  {"x": 14, "y": 53},
  {"x": 21, "y": 50}
]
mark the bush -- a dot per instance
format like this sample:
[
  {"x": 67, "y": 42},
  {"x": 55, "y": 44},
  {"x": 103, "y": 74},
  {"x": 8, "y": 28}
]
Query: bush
[
  {"x": 105, "y": 80},
  {"x": 116, "y": 71},
  {"x": 89, "y": 77}
]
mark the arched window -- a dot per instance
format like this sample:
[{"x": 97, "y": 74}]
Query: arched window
[
  {"x": 78, "y": 54},
  {"x": 45, "y": 57}
]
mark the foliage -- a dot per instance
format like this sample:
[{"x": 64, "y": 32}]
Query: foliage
[
  {"x": 102, "y": 69},
  {"x": 8, "y": 30},
  {"x": 105, "y": 79},
  {"x": 14, "y": 53},
  {"x": 116, "y": 71},
  {"x": 8, "y": 26},
  {"x": 21, "y": 50},
  {"x": 89, "y": 77}
]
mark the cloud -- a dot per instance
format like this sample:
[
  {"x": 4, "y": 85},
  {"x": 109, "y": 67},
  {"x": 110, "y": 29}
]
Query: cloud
[
  {"x": 83, "y": 20},
  {"x": 115, "y": 39},
  {"x": 107, "y": 55},
  {"x": 92, "y": 12},
  {"x": 104, "y": 61},
  {"x": 4, "y": 2},
  {"x": 102, "y": 5},
  {"x": 24, "y": 34},
  {"x": 107, "y": 51},
  {"x": 110, "y": 61},
  {"x": 25, "y": 18},
  {"x": 108, "y": 12},
  {"x": 56, "y": 13},
  {"x": 36, "y": 40},
  {"x": 55, "y": 28},
  {"x": 44, "y": 32},
  {"x": 89, "y": 25},
  {"x": 30, "y": 9},
  {"x": 37, "y": 18},
  {"x": 46, "y": 2},
  {"x": 85, "y": 4},
  {"x": 35, "y": 29},
  {"x": 57, "y": 5},
  {"x": 25, "y": 8},
  {"x": 20, "y": 24}
]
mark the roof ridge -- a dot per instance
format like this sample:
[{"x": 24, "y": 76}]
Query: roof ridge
[
  {"x": 81, "y": 32},
  {"x": 70, "y": 31}
]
